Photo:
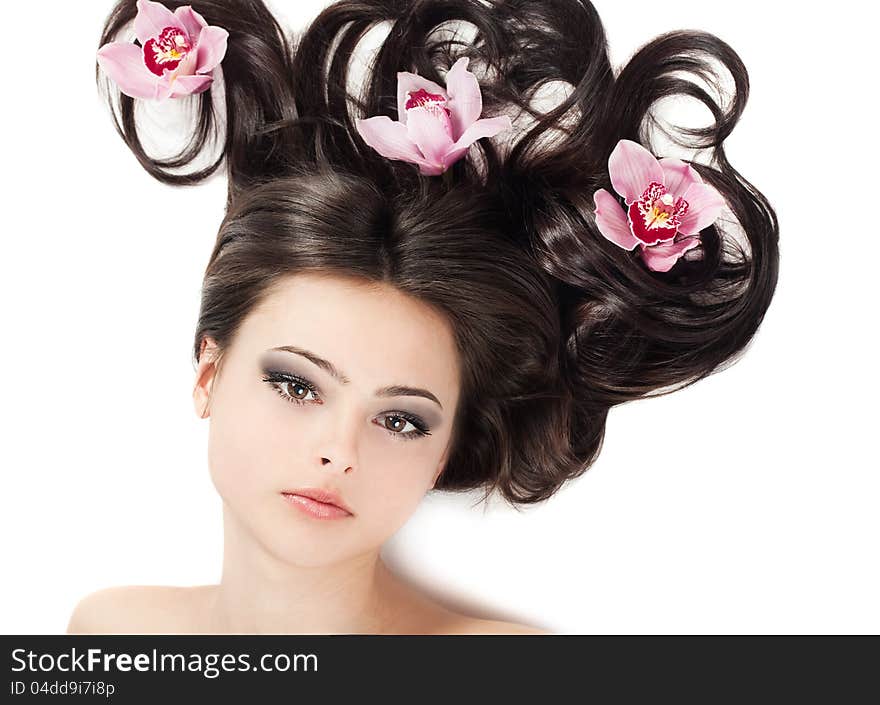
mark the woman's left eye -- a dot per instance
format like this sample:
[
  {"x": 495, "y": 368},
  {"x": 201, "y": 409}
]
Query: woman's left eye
[
  {"x": 295, "y": 390},
  {"x": 399, "y": 422}
]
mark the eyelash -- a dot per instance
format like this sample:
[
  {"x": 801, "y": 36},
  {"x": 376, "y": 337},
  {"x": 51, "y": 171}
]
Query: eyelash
[{"x": 275, "y": 379}]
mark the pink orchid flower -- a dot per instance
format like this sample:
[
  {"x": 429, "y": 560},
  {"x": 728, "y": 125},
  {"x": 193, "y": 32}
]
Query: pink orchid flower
[
  {"x": 665, "y": 199},
  {"x": 178, "y": 52},
  {"x": 436, "y": 125}
]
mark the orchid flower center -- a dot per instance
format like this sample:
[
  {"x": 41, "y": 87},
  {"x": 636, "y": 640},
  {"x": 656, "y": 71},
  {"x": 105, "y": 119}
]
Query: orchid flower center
[
  {"x": 656, "y": 215},
  {"x": 430, "y": 101},
  {"x": 166, "y": 51}
]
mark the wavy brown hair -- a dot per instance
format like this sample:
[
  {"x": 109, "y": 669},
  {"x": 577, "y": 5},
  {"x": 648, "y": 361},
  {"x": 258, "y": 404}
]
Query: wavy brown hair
[{"x": 554, "y": 324}]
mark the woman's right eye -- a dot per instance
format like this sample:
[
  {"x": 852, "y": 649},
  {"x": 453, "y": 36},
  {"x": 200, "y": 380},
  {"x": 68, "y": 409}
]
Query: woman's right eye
[{"x": 291, "y": 388}]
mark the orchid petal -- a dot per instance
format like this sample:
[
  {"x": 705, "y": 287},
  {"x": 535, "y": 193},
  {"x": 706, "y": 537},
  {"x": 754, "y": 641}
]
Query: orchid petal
[
  {"x": 611, "y": 220},
  {"x": 211, "y": 48},
  {"x": 661, "y": 258},
  {"x": 678, "y": 175},
  {"x": 123, "y": 63},
  {"x": 430, "y": 130},
  {"x": 191, "y": 20},
  {"x": 410, "y": 82},
  {"x": 164, "y": 89},
  {"x": 485, "y": 127},
  {"x": 465, "y": 100},
  {"x": 632, "y": 168},
  {"x": 152, "y": 18},
  {"x": 187, "y": 67},
  {"x": 190, "y": 84},
  {"x": 390, "y": 138},
  {"x": 704, "y": 207}
]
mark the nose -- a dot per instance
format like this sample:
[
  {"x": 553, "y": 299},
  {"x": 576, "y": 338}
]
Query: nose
[
  {"x": 338, "y": 444},
  {"x": 341, "y": 466}
]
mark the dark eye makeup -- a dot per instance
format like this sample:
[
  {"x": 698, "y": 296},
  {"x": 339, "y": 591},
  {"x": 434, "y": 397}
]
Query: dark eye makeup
[{"x": 278, "y": 380}]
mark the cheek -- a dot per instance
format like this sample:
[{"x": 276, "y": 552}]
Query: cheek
[
  {"x": 393, "y": 484},
  {"x": 250, "y": 446}
]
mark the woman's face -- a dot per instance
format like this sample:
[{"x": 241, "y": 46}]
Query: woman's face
[{"x": 280, "y": 421}]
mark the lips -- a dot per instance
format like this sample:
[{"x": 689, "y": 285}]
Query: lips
[{"x": 320, "y": 495}]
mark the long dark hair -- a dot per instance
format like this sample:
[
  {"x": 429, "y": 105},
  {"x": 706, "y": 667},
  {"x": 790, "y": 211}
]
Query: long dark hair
[{"x": 554, "y": 324}]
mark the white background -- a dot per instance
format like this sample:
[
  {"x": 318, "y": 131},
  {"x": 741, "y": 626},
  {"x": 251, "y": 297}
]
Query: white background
[{"x": 746, "y": 503}]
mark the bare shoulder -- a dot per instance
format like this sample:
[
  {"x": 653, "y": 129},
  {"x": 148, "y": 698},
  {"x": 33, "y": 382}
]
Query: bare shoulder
[
  {"x": 414, "y": 611},
  {"x": 129, "y": 609}
]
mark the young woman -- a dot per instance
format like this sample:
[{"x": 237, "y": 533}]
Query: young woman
[{"x": 410, "y": 291}]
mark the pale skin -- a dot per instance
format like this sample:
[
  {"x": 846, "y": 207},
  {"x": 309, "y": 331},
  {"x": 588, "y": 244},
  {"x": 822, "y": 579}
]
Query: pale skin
[{"x": 285, "y": 572}]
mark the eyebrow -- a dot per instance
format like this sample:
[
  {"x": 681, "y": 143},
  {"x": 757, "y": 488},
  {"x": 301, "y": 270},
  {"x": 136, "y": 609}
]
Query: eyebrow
[{"x": 395, "y": 390}]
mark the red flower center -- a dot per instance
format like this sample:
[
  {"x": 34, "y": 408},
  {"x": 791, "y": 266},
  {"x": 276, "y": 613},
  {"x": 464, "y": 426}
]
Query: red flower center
[
  {"x": 166, "y": 51},
  {"x": 656, "y": 215},
  {"x": 422, "y": 99}
]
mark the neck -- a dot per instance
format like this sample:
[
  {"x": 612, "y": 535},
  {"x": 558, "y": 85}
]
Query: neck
[{"x": 262, "y": 593}]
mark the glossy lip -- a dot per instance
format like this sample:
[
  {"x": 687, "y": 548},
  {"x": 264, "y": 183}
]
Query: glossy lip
[
  {"x": 320, "y": 495},
  {"x": 314, "y": 508}
]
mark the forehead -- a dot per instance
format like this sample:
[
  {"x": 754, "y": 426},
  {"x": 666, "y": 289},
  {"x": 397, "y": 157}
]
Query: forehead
[{"x": 371, "y": 331}]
